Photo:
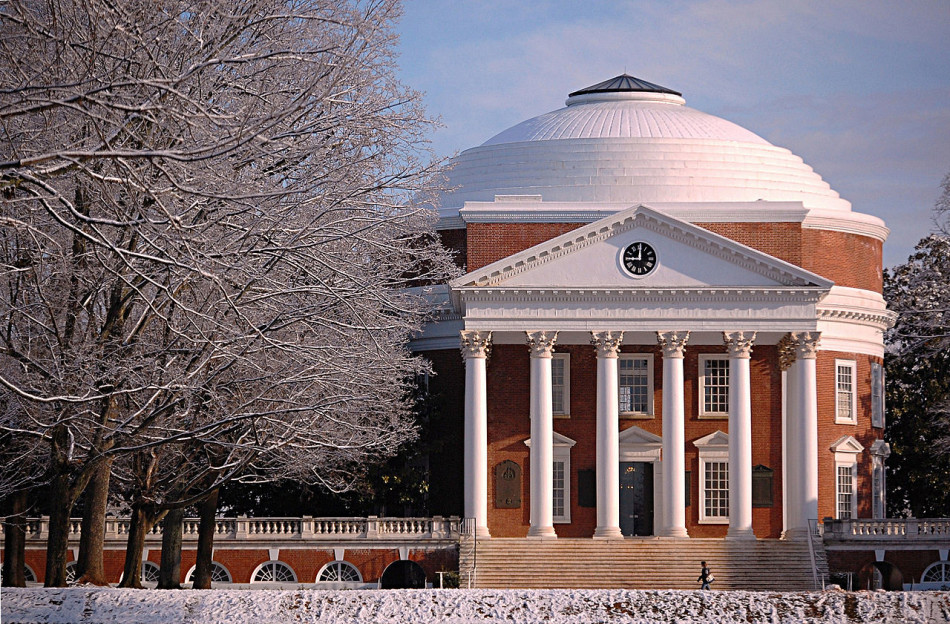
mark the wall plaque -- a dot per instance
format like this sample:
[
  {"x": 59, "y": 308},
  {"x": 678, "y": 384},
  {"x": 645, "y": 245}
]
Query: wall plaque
[{"x": 507, "y": 485}]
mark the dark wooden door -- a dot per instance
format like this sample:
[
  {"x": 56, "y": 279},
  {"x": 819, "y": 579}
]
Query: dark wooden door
[{"x": 636, "y": 498}]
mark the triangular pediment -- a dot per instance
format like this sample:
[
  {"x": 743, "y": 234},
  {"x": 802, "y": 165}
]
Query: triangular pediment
[
  {"x": 714, "y": 439},
  {"x": 636, "y": 437},
  {"x": 847, "y": 444},
  {"x": 686, "y": 256},
  {"x": 556, "y": 440}
]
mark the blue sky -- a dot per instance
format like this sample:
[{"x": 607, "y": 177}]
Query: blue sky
[{"x": 859, "y": 89}]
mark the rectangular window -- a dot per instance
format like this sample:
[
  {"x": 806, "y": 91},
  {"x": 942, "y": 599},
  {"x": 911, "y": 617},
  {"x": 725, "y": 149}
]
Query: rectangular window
[
  {"x": 636, "y": 385},
  {"x": 714, "y": 385},
  {"x": 845, "y": 492},
  {"x": 845, "y": 401},
  {"x": 559, "y": 497},
  {"x": 716, "y": 489},
  {"x": 561, "y": 384},
  {"x": 877, "y": 395}
]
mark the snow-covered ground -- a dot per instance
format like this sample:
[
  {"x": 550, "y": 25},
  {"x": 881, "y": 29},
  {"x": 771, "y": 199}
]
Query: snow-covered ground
[{"x": 453, "y": 606}]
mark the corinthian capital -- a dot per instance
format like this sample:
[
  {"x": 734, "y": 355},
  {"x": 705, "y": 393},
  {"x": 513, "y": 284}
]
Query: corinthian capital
[
  {"x": 673, "y": 343},
  {"x": 541, "y": 343},
  {"x": 475, "y": 344},
  {"x": 806, "y": 344},
  {"x": 786, "y": 352},
  {"x": 607, "y": 343},
  {"x": 738, "y": 343}
]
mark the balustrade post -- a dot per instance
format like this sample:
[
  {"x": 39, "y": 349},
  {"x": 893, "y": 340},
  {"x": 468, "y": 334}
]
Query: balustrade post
[
  {"x": 42, "y": 527},
  {"x": 240, "y": 528},
  {"x": 912, "y": 527},
  {"x": 306, "y": 527},
  {"x": 372, "y": 527}
]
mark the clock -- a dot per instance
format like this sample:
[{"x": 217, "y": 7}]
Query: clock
[{"x": 639, "y": 258}]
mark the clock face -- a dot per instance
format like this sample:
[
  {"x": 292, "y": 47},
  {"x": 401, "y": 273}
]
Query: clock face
[{"x": 639, "y": 258}]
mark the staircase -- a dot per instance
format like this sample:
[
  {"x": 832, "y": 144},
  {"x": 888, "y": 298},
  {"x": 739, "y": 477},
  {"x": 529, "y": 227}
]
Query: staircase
[{"x": 637, "y": 563}]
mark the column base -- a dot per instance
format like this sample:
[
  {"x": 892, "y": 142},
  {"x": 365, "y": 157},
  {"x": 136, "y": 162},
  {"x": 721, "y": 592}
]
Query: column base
[
  {"x": 608, "y": 533},
  {"x": 482, "y": 532},
  {"x": 740, "y": 534},
  {"x": 674, "y": 532},
  {"x": 542, "y": 532}
]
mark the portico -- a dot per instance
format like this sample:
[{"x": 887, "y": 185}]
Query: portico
[{"x": 573, "y": 294}]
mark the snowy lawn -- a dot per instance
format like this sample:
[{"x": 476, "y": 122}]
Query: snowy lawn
[{"x": 453, "y": 606}]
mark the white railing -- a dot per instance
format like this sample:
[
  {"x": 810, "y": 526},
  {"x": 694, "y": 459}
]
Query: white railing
[
  {"x": 278, "y": 529},
  {"x": 903, "y": 529}
]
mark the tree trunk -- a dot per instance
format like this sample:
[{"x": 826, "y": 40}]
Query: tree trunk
[
  {"x": 14, "y": 543},
  {"x": 170, "y": 573},
  {"x": 57, "y": 544},
  {"x": 207, "y": 510},
  {"x": 139, "y": 525},
  {"x": 89, "y": 567}
]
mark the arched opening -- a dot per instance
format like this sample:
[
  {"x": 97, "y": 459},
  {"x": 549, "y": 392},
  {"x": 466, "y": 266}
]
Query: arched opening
[
  {"x": 219, "y": 574},
  {"x": 339, "y": 572},
  {"x": 274, "y": 572},
  {"x": 880, "y": 575},
  {"x": 403, "y": 574}
]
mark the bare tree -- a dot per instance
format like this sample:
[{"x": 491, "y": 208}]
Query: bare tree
[{"x": 208, "y": 230}]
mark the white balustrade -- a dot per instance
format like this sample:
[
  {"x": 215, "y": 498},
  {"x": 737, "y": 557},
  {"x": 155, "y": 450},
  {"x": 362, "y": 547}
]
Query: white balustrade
[{"x": 277, "y": 529}]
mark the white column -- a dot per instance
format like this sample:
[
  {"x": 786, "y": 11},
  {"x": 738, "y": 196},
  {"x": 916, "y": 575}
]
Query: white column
[
  {"x": 607, "y": 345},
  {"x": 805, "y": 418},
  {"x": 673, "y": 345},
  {"x": 475, "y": 347},
  {"x": 739, "y": 347},
  {"x": 541, "y": 346},
  {"x": 790, "y": 436}
]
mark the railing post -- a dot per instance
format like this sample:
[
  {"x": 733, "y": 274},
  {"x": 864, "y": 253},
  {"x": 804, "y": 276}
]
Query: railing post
[
  {"x": 439, "y": 530},
  {"x": 306, "y": 527},
  {"x": 372, "y": 527},
  {"x": 240, "y": 527},
  {"x": 911, "y": 529},
  {"x": 42, "y": 527}
]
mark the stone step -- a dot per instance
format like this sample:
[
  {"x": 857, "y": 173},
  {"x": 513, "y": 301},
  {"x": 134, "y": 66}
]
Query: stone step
[{"x": 638, "y": 564}]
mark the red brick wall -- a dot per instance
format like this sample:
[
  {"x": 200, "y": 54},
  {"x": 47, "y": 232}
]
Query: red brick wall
[
  {"x": 847, "y": 259},
  {"x": 306, "y": 562},
  {"x": 509, "y": 426},
  {"x": 911, "y": 563},
  {"x": 457, "y": 243},
  {"x": 829, "y": 431}
]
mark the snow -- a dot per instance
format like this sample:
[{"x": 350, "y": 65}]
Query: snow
[{"x": 114, "y": 606}]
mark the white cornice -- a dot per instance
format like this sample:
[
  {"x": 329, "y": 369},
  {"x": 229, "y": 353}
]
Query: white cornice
[{"x": 805, "y": 294}]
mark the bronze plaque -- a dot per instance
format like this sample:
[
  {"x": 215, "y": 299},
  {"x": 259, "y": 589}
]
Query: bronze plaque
[{"x": 507, "y": 485}]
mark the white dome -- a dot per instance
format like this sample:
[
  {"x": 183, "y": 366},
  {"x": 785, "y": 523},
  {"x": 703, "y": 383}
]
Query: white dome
[{"x": 632, "y": 144}]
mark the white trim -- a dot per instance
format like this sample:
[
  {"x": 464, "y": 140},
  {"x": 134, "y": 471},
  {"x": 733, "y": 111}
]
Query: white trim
[
  {"x": 565, "y": 411},
  {"x": 713, "y": 448},
  {"x": 852, "y": 366},
  {"x": 846, "y": 450},
  {"x": 649, "y": 413},
  {"x": 561, "y": 453},
  {"x": 703, "y": 358}
]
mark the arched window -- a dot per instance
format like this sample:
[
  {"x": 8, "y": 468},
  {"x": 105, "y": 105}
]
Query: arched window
[
  {"x": 70, "y": 572},
  {"x": 219, "y": 574},
  {"x": 938, "y": 574},
  {"x": 150, "y": 572},
  {"x": 274, "y": 572},
  {"x": 28, "y": 574},
  {"x": 337, "y": 571}
]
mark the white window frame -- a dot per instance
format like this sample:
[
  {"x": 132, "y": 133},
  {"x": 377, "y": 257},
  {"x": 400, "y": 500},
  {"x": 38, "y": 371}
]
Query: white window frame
[
  {"x": 273, "y": 563},
  {"x": 713, "y": 448},
  {"x": 853, "y": 399},
  {"x": 339, "y": 564},
  {"x": 877, "y": 395},
  {"x": 561, "y": 452},
  {"x": 215, "y": 567},
  {"x": 565, "y": 411},
  {"x": 703, "y": 358},
  {"x": 648, "y": 413},
  {"x": 846, "y": 450}
]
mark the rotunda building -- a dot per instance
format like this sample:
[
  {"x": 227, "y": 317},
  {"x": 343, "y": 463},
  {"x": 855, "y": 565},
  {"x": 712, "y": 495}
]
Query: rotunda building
[{"x": 668, "y": 327}]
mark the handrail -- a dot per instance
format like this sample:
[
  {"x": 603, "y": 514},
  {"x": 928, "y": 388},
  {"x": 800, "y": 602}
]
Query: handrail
[{"x": 814, "y": 529}]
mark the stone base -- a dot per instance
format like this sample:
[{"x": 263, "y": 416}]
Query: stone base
[
  {"x": 542, "y": 532},
  {"x": 608, "y": 533}
]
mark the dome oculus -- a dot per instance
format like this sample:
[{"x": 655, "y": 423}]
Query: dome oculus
[{"x": 639, "y": 259}]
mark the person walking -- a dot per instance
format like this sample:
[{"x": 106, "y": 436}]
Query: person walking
[{"x": 705, "y": 577}]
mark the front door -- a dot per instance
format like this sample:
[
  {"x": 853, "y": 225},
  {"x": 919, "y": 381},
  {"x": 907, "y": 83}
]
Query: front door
[{"x": 636, "y": 498}]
